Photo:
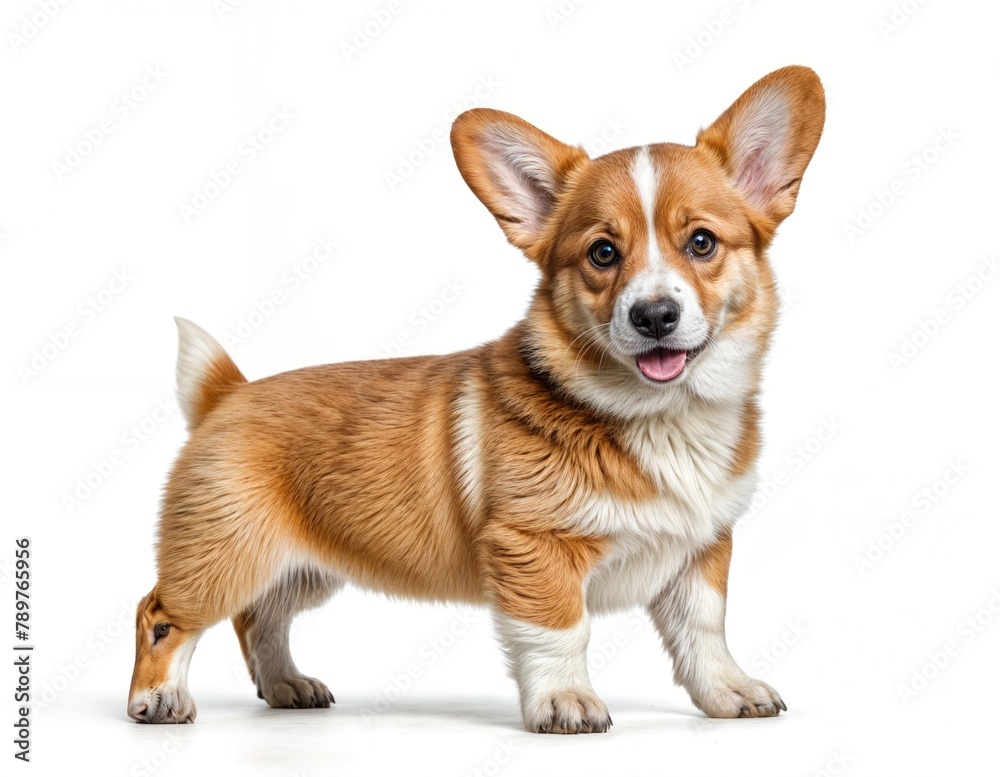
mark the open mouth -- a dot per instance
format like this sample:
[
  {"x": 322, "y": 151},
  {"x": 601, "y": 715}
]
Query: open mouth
[{"x": 663, "y": 364}]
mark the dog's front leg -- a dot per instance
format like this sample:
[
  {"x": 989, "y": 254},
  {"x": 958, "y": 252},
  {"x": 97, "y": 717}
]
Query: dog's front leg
[
  {"x": 536, "y": 582},
  {"x": 550, "y": 668},
  {"x": 690, "y": 615}
]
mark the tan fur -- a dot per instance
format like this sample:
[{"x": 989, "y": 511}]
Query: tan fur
[
  {"x": 222, "y": 375},
  {"x": 284, "y": 484},
  {"x": 538, "y": 577},
  {"x": 714, "y": 563},
  {"x": 355, "y": 467},
  {"x": 745, "y": 455}
]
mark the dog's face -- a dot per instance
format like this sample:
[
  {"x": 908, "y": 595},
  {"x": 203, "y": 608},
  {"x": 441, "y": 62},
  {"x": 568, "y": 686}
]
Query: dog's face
[
  {"x": 158, "y": 693},
  {"x": 655, "y": 285}
]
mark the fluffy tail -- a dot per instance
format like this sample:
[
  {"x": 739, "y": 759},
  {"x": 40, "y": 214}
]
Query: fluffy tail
[{"x": 205, "y": 372}]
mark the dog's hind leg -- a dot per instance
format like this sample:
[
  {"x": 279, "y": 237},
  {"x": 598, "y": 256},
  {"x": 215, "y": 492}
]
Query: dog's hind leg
[
  {"x": 228, "y": 544},
  {"x": 263, "y": 630}
]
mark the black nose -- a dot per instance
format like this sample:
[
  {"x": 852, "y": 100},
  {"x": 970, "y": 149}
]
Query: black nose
[{"x": 656, "y": 318}]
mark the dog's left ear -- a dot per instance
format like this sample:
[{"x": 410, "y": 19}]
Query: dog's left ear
[
  {"x": 517, "y": 171},
  {"x": 767, "y": 137}
]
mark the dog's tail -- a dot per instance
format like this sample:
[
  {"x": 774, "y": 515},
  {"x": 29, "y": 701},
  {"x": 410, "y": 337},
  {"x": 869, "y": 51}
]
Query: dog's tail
[{"x": 205, "y": 372}]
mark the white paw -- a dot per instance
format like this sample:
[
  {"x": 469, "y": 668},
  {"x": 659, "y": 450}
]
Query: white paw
[
  {"x": 566, "y": 712},
  {"x": 740, "y": 697}
]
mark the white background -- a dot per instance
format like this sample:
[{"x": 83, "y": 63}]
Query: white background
[{"x": 838, "y": 638}]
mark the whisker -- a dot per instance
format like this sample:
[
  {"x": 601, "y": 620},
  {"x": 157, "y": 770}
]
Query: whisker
[
  {"x": 712, "y": 339},
  {"x": 593, "y": 343},
  {"x": 584, "y": 333}
]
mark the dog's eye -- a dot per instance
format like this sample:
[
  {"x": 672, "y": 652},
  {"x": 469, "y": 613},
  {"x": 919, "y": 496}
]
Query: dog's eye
[
  {"x": 161, "y": 630},
  {"x": 603, "y": 253},
  {"x": 702, "y": 244}
]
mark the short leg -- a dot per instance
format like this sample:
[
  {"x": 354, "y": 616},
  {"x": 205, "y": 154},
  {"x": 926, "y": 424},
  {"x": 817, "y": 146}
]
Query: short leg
[
  {"x": 537, "y": 587},
  {"x": 263, "y": 630},
  {"x": 690, "y": 615},
  {"x": 550, "y": 669},
  {"x": 224, "y": 542}
]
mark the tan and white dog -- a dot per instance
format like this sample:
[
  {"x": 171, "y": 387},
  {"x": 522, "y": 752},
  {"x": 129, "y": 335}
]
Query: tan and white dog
[{"x": 593, "y": 458}]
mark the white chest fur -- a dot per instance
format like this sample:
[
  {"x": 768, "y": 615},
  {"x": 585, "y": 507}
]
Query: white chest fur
[{"x": 689, "y": 456}]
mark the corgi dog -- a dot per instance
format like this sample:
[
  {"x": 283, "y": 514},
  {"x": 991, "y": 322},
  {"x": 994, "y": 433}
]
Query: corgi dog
[{"x": 594, "y": 458}]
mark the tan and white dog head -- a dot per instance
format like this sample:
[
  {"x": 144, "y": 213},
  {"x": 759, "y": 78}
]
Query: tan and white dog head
[
  {"x": 158, "y": 693},
  {"x": 655, "y": 286}
]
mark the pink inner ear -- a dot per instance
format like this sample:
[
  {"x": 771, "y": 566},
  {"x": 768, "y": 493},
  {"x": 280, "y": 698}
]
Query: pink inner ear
[
  {"x": 754, "y": 178},
  {"x": 522, "y": 178},
  {"x": 758, "y": 145}
]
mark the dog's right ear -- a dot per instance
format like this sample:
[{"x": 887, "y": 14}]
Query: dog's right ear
[{"x": 517, "y": 171}]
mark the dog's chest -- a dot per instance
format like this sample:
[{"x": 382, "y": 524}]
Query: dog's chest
[{"x": 690, "y": 460}]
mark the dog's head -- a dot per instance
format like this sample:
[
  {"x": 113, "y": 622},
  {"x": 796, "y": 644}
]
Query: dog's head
[
  {"x": 158, "y": 693},
  {"x": 655, "y": 285}
]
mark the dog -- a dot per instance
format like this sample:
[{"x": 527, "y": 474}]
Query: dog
[{"x": 594, "y": 458}]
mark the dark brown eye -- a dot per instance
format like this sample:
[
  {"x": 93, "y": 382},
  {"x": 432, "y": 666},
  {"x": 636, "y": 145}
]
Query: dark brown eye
[
  {"x": 161, "y": 630},
  {"x": 702, "y": 244},
  {"x": 603, "y": 254}
]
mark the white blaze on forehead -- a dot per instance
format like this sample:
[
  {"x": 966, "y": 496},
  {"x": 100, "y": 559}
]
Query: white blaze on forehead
[
  {"x": 657, "y": 279},
  {"x": 647, "y": 182}
]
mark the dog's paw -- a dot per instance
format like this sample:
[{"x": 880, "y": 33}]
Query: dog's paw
[
  {"x": 297, "y": 692},
  {"x": 741, "y": 698},
  {"x": 567, "y": 712}
]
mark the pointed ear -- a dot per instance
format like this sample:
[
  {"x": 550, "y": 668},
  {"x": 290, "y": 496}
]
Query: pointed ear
[
  {"x": 767, "y": 137},
  {"x": 516, "y": 170}
]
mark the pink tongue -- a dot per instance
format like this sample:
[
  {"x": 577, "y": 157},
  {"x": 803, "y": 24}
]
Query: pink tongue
[{"x": 661, "y": 364}]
